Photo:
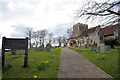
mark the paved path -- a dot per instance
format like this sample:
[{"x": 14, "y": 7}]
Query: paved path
[{"x": 74, "y": 65}]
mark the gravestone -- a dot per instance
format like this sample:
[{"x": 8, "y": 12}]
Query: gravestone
[
  {"x": 102, "y": 48},
  {"x": 92, "y": 48},
  {"x": 22, "y": 52},
  {"x": 48, "y": 47},
  {"x": 98, "y": 48},
  {"x": 41, "y": 48},
  {"x": 108, "y": 47},
  {"x": 15, "y": 44},
  {"x": 13, "y": 52}
]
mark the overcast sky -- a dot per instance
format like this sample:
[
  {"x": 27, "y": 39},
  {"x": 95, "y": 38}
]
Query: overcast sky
[{"x": 54, "y": 15}]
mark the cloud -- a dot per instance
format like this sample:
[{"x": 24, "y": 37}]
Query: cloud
[
  {"x": 0, "y": 35},
  {"x": 38, "y": 14},
  {"x": 19, "y": 30},
  {"x": 61, "y": 29},
  {"x": 13, "y": 9}
]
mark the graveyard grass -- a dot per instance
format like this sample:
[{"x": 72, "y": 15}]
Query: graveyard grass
[
  {"x": 107, "y": 61},
  {"x": 35, "y": 58}
]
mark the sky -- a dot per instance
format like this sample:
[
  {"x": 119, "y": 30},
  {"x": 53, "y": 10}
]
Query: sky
[{"x": 54, "y": 15}]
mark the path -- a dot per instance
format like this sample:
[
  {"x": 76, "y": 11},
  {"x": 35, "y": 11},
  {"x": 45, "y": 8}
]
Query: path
[{"x": 74, "y": 65}]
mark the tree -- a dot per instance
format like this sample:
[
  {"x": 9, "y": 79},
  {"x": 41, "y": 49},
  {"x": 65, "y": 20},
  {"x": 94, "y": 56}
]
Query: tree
[
  {"x": 111, "y": 42},
  {"x": 107, "y": 12},
  {"x": 50, "y": 35},
  {"x": 59, "y": 40},
  {"x": 43, "y": 35},
  {"x": 35, "y": 38},
  {"x": 64, "y": 40},
  {"x": 69, "y": 32},
  {"x": 28, "y": 32},
  {"x": 39, "y": 32},
  {"x": 54, "y": 41}
]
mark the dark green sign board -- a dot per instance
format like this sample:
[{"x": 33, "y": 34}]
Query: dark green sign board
[{"x": 15, "y": 43}]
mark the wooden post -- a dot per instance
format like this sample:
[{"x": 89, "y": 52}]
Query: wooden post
[
  {"x": 3, "y": 51},
  {"x": 26, "y": 55}
]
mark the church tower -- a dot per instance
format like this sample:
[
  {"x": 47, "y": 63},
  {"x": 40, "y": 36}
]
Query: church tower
[{"x": 78, "y": 29}]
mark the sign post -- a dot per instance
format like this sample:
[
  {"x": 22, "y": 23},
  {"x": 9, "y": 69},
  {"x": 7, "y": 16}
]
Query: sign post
[{"x": 15, "y": 43}]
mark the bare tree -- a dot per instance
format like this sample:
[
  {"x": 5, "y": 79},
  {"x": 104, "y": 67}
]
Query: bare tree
[
  {"x": 105, "y": 12},
  {"x": 69, "y": 31},
  {"x": 54, "y": 41},
  {"x": 39, "y": 32},
  {"x": 64, "y": 40},
  {"x": 43, "y": 35},
  {"x": 59, "y": 40},
  {"x": 50, "y": 35},
  {"x": 35, "y": 38},
  {"x": 28, "y": 32}
]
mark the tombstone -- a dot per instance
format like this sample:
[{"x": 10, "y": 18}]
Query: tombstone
[
  {"x": 15, "y": 44},
  {"x": 108, "y": 47},
  {"x": 48, "y": 47},
  {"x": 32, "y": 48},
  {"x": 13, "y": 52},
  {"x": 92, "y": 48},
  {"x": 102, "y": 48},
  {"x": 22, "y": 52},
  {"x": 41, "y": 48},
  {"x": 98, "y": 48}
]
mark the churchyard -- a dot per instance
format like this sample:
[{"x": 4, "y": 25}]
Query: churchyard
[
  {"x": 107, "y": 61},
  {"x": 41, "y": 64}
]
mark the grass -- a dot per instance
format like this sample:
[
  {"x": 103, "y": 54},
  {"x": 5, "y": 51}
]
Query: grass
[
  {"x": 107, "y": 61},
  {"x": 35, "y": 58},
  {"x": 0, "y": 73}
]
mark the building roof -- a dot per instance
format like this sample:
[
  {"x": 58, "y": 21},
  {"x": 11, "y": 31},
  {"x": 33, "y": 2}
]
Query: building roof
[
  {"x": 109, "y": 30},
  {"x": 74, "y": 41},
  {"x": 88, "y": 31}
]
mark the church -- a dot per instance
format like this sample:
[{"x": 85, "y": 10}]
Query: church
[{"x": 84, "y": 36}]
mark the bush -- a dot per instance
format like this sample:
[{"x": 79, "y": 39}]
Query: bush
[
  {"x": 111, "y": 42},
  {"x": 7, "y": 67},
  {"x": 43, "y": 65}
]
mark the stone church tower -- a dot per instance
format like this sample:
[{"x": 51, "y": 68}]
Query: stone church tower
[{"x": 78, "y": 29}]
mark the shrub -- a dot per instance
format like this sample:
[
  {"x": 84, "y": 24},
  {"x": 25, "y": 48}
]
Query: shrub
[
  {"x": 43, "y": 65},
  {"x": 7, "y": 67},
  {"x": 111, "y": 42}
]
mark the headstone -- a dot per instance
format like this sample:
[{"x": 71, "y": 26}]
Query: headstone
[
  {"x": 98, "y": 48},
  {"x": 102, "y": 48},
  {"x": 48, "y": 47},
  {"x": 92, "y": 48},
  {"x": 13, "y": 52},
  {"x": 108, "y": 47},
  {"x": 22, "y": 52},
  {"x": 32, "y": 48},
  {"x": 41, "y": 48}
]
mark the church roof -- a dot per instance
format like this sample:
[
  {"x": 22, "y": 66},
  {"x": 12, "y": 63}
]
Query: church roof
[
  {"x": 109, "y": 30},
  {"x": 89, "y": 31}
]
